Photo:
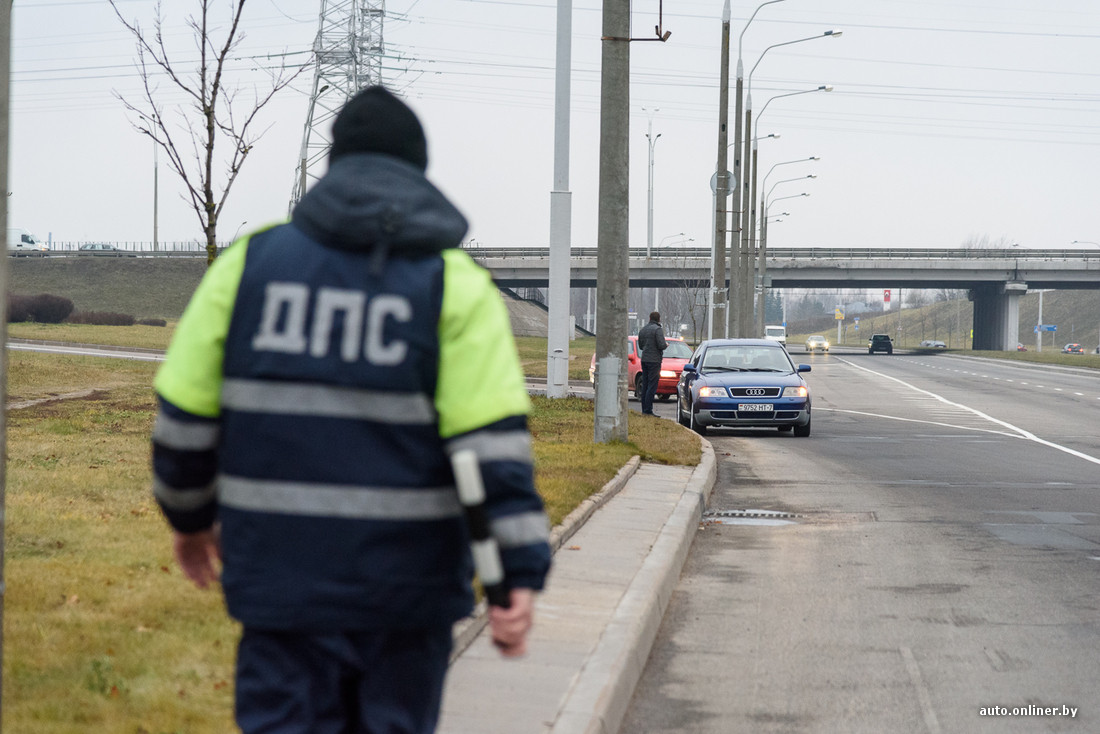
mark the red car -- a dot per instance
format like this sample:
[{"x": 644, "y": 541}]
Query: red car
[{"x": 672, "y": 364}]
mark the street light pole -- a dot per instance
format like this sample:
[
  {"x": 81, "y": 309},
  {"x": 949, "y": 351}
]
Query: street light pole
[
  {"x": 649, "y": 216},
  {"x": 721, "y": 188},
  {"x": 739, "y": 171},
  {"x": 748, "y": 255},
  {"x": 751, "y": 208},
  {"x": 746, "y": 202},
  {"x": 558, "y": 329},
  {"x": 763, "y": 259},
  {"x": 649, "y": 222}
]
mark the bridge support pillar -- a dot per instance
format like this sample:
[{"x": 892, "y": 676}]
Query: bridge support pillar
[{"x": 997, "y": 315}]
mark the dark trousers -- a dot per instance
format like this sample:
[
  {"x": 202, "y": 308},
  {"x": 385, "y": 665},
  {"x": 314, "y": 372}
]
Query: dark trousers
[
  {"x": 341, "y": 683},
  {"x": 647, "y": 383}
]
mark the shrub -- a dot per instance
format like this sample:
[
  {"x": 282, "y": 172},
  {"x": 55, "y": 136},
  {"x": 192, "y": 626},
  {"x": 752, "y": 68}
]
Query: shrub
[
  {"x": 19, "y": 308},
  {"x": 43, "y": 308},
  {"x": 101, "y": 318},
  {"x": 152, "y": 322}
]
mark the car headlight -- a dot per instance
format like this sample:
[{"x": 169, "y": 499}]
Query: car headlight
[
  {"x": 713, "y": 392},
  {"x": 826, "y": 345},
  {"x": 795, "y": 392},
  {"x": 668, "y": 373}
]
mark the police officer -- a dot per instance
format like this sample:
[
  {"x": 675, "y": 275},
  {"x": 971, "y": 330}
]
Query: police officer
[
  {"x": 315, "y": 387},
  {"x": 651, "y": 348}
]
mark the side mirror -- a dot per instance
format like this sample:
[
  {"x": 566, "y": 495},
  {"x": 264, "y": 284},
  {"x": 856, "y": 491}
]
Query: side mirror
[
  {"x": 690, "y": 368},
  {"x": 803, "y": 368}
]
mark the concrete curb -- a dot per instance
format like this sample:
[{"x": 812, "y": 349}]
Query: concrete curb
[
  {"x": 466, "y": 630},
  {"x": 600, "y": 693}
]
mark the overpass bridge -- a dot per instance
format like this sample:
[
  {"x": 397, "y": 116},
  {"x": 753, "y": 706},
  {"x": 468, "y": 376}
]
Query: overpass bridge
[{"x": 995, "y": 278}]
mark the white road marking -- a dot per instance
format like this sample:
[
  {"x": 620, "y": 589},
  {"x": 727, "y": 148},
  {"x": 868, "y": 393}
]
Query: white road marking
[{"x": 1019, "y": 432}]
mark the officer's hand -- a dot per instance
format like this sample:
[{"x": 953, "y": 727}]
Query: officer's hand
[
  {"x": 510, "y": 626},
  {"x": 196, "y": 553}
]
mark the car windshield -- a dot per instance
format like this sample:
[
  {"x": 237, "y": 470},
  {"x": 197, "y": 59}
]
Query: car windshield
[
  {"x": 745, "y": 358},
  {"x": 677, "y": 350}
]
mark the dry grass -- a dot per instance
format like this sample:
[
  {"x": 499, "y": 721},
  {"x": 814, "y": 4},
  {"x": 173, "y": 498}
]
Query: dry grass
[
  {"x": 145, "y": 337},
  {"x": 532, "y": 355},
  {"x": 101, "y": 631},
  {"x": 569, "y": 466}
]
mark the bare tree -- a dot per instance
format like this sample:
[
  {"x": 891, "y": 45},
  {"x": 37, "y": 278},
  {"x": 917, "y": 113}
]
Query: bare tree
[{"x": 214, "y": 115}]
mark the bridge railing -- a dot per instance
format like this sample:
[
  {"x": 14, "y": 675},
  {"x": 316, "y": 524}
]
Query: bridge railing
[
  {"x": 810, "y": 253},
  {"x": 196, "y": 249}
]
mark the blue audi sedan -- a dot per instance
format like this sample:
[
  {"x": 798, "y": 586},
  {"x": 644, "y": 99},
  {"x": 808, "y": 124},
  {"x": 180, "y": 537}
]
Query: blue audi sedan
[{"x": 743, "y": 383}]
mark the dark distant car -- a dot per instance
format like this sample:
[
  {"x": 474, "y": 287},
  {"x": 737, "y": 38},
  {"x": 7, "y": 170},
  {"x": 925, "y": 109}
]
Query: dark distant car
[
  {"x": 933, "y": 344},
  {"x": 102, "y": 249},
  {"x": 1020, "y": 347},
  {"x": 880, "y": 343},
  {"x": 1073, "y": 348},
  {"x": 743, "y": 383}
]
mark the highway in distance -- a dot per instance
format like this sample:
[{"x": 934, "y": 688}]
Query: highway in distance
[{"x": 928, "y": 560}]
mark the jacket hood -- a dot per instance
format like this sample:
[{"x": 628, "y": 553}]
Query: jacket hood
[{"x": 378, "y": 203}]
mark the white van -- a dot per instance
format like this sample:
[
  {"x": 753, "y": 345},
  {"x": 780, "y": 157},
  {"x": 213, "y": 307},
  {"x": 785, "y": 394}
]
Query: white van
[
  {"x": 776, "y": 334},
  {"x": 22, "y": 242}
]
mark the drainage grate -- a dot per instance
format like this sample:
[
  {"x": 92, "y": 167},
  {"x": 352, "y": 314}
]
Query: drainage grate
[{"x": 757, "y": 514}]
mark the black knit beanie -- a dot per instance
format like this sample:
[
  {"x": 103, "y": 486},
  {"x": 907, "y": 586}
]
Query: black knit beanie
[{"x": 375, "y": 121}]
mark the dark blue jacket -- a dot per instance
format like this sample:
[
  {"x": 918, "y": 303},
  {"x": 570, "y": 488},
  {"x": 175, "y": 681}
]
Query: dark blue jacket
[{"x": 313, "y": 392}]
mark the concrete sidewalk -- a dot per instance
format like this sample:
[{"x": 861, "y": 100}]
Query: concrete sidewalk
[{"x": 619, "y": 559}]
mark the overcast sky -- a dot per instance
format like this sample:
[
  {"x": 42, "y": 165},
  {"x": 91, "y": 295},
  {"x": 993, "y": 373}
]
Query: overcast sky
[{"x": 950, "y": 121}]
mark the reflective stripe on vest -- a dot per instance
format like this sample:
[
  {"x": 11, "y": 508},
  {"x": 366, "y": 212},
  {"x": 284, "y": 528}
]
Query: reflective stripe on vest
[
  {"x": 495, "y": 445},
  {"x": 515, "y": 531},
  {"x": 183, "y": 500},
  {"x": 327, "y": 401},
  {"x": 329, "y": 500},
  {"x": 180, "y": 435}
]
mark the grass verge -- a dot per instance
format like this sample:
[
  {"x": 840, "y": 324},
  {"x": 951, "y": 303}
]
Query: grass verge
[{"x": 101, "y": 631}]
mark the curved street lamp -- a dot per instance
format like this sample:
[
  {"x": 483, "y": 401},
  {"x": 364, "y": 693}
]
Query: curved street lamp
[
  {"x": 748, "y": 167},
  {"x": 748, "y": 222},
  {"x": 761, "y": 302},
  {"x": 652, "y": 142},
  {"x": 718, "y": 259}
]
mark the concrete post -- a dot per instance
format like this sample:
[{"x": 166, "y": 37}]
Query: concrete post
[
  {"x": 5, "y": 74},
  {"x": 746, "y": 204},
  {"x": 613, "y": 233},
  {"x": 558, "y": 331},
  {"x": 718, "y": 260}
]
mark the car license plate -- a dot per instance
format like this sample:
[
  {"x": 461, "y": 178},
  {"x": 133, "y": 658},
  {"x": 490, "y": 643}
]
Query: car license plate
[{"x": 761, "y": 407}]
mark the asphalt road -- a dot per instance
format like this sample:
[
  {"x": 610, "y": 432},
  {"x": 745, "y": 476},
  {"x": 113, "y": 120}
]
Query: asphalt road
[{"x": 937, "y": 553}]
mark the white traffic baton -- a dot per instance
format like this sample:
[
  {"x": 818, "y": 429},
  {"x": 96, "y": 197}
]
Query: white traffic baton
[{"x": 471, "y": 494}]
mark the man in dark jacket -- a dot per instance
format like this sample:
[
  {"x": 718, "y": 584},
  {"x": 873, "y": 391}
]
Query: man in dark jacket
[
  {"x": 651, "y": 347},
  {"x": 320, "y": 379}
]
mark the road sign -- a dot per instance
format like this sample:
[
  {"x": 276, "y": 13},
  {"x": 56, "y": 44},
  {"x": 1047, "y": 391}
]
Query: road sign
[
  {"x": 886, "y": 296},
  {"x": 731, "y": 183},
  {"x": 1045, "y": 327}
]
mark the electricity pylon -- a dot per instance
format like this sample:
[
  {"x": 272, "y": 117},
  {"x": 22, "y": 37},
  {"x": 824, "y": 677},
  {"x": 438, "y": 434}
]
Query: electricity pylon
[{"x": 347, "y": 57}]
